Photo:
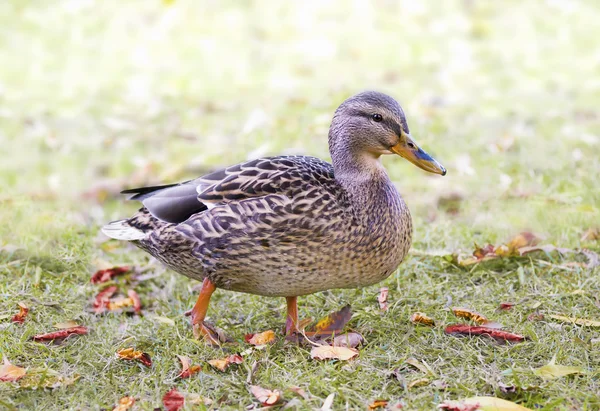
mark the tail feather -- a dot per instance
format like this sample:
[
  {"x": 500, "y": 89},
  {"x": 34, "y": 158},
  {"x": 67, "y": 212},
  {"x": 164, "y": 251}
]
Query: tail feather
[{"x": 122, "y": 230}]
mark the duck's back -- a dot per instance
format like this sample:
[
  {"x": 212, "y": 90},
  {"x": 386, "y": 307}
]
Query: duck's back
[{"x": 276, "y": 226}]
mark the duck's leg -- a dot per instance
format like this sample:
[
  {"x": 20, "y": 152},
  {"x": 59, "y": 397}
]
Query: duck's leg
[
  {"x": 291, "y": 322},
  {"x": 198, "y": 313}
]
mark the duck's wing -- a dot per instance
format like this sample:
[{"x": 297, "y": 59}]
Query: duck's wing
[{"x": 283, "y": 175}]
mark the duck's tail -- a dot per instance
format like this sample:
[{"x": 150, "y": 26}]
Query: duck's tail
[{"x": 122, "y": 230}]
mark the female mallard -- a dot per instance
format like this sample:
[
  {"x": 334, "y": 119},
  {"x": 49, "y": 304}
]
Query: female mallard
[{"x": 289, "y": 225}]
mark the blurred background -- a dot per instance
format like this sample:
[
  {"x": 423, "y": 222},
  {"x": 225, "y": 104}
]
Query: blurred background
[{"x": 97, "y": 96}]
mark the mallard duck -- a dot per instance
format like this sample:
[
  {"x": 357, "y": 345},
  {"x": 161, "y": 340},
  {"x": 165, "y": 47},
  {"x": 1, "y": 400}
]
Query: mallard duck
[{"x": 288, "y": 226}]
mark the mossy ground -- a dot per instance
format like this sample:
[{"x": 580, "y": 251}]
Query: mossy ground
[{"x": 99, "y": 96}]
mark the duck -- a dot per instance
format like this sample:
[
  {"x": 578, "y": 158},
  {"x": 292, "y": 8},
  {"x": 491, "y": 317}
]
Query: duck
[{"x": 289, "y": 225}]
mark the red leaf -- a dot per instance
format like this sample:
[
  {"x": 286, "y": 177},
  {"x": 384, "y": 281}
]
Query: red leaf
[
  {"x": 103, "y": 298},
  {"x": 187, "y": 369},
  {"x": 173, "y": 400},
  {"x": 59, "y": 335},
  {"x": 102, "y": 276},
  {"x": 20, "y": 317},
  {"x": 137, "y": 303},
  {"x": 382, "y": 298},
  {"x": 506, "y": 306},
  {"x": 499, "y": 335}
]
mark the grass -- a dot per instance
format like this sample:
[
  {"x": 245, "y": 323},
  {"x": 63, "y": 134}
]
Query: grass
[{"x": 98, "y": 96}]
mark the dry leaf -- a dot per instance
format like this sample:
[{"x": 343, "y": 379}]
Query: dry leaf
[
  {"x": 187, "y": 369},
  {"x": 173, "y": 400},
  {"x": 328, "y": 402},
  {"x": 579, "y": 321},
  {"x": 535, "y": 316},
  {"x": 135, "y": 298},
  {"x": 421, "y": 367},
  {"x": 62, "y": 334},
  {"x": 418, "y": 383},
  {"x": 264, "y": 396},
  {"x": 124, "y": 404},
  {"x": 66, "y": 324},
  {"x": 469, "y": 330},
  {"x": 382, "y": 298},
  {"x": 130, "y": 354},
  {"x": 552, "y": 370},
  {"x": 333, "y": 323},
  {"x": 483, "y": 404},
  {"x": 506, "y": 306},
  {"x": 102, "y": 299},
  {"x": 475, "y": 317},
  {"x": 378, "y": 404},
  {"x": 351, "y": 340},
  {"x": 298, "y": 391},
  {"x": 524, "y": 239},
  {"x": 263, "y": 338},
  {"x": 591, "y": 234},
  {"x": 102, "y": 276},
  {"x": 119, "y": 303},
  {"x": 221, "y": 364},
  {"x": 327, "y": 352},
  {"x": 19, "y": 318},
  {"x": 211, "y": 334},
  {"x": 421, "y": 318},
  {"x": 38, "y": 378},
  {"x": 10, "y": 372}
]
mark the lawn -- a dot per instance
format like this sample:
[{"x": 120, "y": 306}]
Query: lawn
[{"x": 98, "y": 96}]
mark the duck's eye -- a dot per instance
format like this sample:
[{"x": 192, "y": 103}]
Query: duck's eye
[
  {"x": 411, "y": 145},
  {"x": 377, "y": 117}
]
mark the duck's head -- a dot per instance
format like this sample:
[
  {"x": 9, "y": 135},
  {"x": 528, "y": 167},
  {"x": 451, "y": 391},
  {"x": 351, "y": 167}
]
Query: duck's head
[{"x": 370, "y": 124}]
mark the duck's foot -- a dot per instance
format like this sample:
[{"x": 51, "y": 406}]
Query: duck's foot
[
  {"x": 291, "y": 321},
  {"x": 198, "y": 314}
]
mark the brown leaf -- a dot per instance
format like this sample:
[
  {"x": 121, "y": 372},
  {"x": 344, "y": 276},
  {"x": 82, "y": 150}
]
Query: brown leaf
[
  {"x": 102, "y": 276},
  {"x": 187, "y": 369},
  {"x": 102, "y": 299},
  {"x": 506, "y": 306},
  {"x": 10, "y": 372},
  {"x": 458, "y": 406},
  {"x": 535, "y": 316},
  {"x": 173, "y": 400},
  {"x": 591, "y": 234},
  {"x": 264, "y": 396},
  {"x": 481, "y": 253},
  {"x": 130, "y": 354},
  {"x": 19, "y": 318},
  {"x": 211, "y": 334},
  {"x": 222, "y": 364},
  {"x": 469, "y": 330},
  {"x": 351, "y": 340},
  {"x": 135, "y": 298},
  {"x": 378, "y": 404},
  {"x": 327, "y": 352},
  {"x": 299, "y": 391},
  {"x": 421, "y": 318},
  {"x": 524, "y": 239},
  {"x": 266, "y": 337},
  {"x": 332, "y": 324},
  {"x": 62, "y": 334},
  {"x": 125, "y": 404},
  {"x": 475, "y": 317},
  {"x": 382, "y": 298}
]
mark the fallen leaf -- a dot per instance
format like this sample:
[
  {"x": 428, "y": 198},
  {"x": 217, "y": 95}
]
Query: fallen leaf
[
  {"x": 38, "y": 378},
  {"x": 264, "y": 396},
  {"x": 382, "y": 298},
  {"x": 102, "y": 276},
  {"x": 482, "y": 404},
  {"x": 327, "y": 352},
  {"x": 481, "y": 252},
  {"x": 137, "y": 303},
  {"x": 378, "y": 404},
  {"x": 62, "y": 334},
  {"x": 266, "y": 337},
  {"x": 506, "y": 306},
  {"x": 418, "y": 383},
  {"x": 553, "y": 370},
  {"x": 475, "y": 317},
  {"x": 119, "y": 303},
  {"x": 535, "y": 316},
  {"x": 328, "y": 402},
  {"x": 333, "y": 323},
  {"x": 524, "y": 239},
  {"x": 19, "y": 318},
  {"x": 173, "y": 400},
  {"x": 579, "y": 321},
  {"x": 124, "y": 404},
  {"x": 164, "y": 320},
  {"x": 591, "y": 234},
  {"x": 130, "y": 354},
  {"x": 211, "y": 334},
  {"x": 196, "y": 399},
  {"x": 102, "y": 299},
  {"x": 351, "y": 340},
  {"x": 222, "y": 364},
  {"x": 298, "y": 391},
  {"x": 469, "y": 330},
  {"x": 66, "y": 324},
  {"x": 187, "y": 369},
  {"x": 419, "y": 366},
  {"x": 10, "y": 372},
  {"x": 421, "y": 318}
]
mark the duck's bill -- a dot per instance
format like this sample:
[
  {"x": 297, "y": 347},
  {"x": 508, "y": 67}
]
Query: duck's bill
[{"x": 409, "y": 150}]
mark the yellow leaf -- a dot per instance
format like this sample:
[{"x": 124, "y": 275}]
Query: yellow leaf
[
  {"x": 263, "y": 338},
  {"x": 10, "y": 372},
  {"x": 66, "y": 324},
  {"x": 578, "y": 321},
  {"x": 552, "y": 370},
  {"x": 495, "y": 404},
  {"x": 327, "y": 352},
  {"x": 418, "y": 383},
  {"x": 421, "y": 318}
]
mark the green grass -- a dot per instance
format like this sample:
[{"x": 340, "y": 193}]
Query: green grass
[{"x": 99, "y": 96}]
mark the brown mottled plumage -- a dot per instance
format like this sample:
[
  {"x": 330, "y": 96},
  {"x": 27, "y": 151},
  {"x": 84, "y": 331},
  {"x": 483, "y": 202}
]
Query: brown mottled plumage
[{"x": 290, "y": 225}]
